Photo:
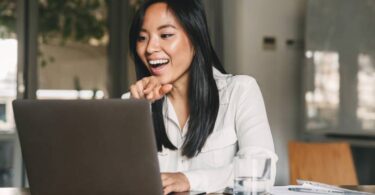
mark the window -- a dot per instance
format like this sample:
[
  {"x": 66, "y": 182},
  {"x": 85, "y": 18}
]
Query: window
[
  {"x": 339, "y": 73},
  {"x": 366, "y": 92},
  {"x": 8, "y": 67},
  {"x": 73, "y": 41},
  {"x": 10, "y": 168},
  {"x": 3, "y": 117},
  {"x": 322, "y": 100}
]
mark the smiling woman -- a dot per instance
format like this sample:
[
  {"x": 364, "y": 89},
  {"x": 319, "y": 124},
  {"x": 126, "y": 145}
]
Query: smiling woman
[
  {"x": 202, "y": 116},
  {"x": 164, "y": 46}
]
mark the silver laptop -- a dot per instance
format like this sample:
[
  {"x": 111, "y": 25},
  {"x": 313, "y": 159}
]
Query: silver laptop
[{"x": 88, "y": 146}]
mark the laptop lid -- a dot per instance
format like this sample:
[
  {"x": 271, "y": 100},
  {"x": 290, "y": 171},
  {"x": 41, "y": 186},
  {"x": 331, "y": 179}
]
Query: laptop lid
[{"x": 88, "y": 146}]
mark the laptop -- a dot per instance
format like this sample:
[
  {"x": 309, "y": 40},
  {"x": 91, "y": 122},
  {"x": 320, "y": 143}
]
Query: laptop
[{"x": 88, "y": 146}]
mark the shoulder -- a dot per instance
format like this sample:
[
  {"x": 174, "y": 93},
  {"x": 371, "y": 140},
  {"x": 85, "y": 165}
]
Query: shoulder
[
  {"x": 236, "y": 89},
  {"x": 238, "y": 84},
  {"x": 242, "y": 82},
  {"x": 231, "y": 82},
  {"x": 242, "y": 88}
]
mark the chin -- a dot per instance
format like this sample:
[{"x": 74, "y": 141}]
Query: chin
[{"x": 164, "y": 80}]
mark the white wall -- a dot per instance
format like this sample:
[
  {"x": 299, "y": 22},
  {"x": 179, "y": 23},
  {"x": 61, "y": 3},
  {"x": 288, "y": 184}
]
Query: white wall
[
  {"x": 88, "y": 63},
  {"x": 246, "y": 22}
]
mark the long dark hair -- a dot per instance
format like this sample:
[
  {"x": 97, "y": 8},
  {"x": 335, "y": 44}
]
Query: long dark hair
[{"x": 202, "y": 90}]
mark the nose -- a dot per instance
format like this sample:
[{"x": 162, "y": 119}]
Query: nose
[{"x": 153, "y": 45}]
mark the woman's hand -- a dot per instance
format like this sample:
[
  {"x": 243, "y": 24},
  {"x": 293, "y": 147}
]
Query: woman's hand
[
  {"x": 174, "y": 182},
  {"x": 149, "y": 88}
]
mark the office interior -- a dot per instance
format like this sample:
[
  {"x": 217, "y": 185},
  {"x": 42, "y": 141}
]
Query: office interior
[{"x": 314, "y": 61}]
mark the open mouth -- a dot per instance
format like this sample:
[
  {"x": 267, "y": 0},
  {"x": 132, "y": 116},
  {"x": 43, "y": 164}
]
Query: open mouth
[{"x": 158, "y": 63}]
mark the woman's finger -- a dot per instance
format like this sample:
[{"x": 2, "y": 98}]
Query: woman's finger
[
  {"x": 150, "y": 96},
  {"x": 160, "y": 91},
  {"x": 134, "y": 92},
  {"x": 140, "y": 88},
  {"x": 151, "y": 85},
  {"x": 165, "y": 89},
  {"x": 156, "y": 93},
  {"x": 145, "y": 80}
]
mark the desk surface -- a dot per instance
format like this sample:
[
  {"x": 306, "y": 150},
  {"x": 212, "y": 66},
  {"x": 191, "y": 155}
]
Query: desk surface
[{"x": 25, "y": 191}]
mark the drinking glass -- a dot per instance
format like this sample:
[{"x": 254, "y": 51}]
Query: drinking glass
[{"x": 252, "y": 175}]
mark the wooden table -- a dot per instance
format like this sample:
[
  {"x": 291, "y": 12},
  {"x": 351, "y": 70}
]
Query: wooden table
[{"x": 25, "y": 191}]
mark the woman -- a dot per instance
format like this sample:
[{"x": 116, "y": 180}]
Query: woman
[{"x": 202, "y": 116}]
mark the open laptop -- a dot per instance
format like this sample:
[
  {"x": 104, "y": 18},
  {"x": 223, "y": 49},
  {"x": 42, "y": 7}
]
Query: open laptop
[{"x": 88, "y": 146}]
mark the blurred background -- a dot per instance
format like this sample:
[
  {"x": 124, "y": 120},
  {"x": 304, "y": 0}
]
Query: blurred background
[{"x": 313, "y": 59}]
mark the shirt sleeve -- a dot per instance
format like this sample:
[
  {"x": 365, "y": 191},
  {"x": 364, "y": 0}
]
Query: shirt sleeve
[
  {"x": 210, "y": 180},
  {"x": 253, "y": 135},
  {"x": 125, "y": 95},
  {"x": 252, "y": 127}
]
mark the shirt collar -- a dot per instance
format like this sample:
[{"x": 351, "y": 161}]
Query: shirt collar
[
  {"x": 220, "y": 78},
  {"x": 170, "y": 114}
]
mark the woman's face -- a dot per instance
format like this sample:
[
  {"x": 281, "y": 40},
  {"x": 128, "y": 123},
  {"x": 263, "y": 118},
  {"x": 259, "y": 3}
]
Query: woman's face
[{"x": 163, "y": 45}]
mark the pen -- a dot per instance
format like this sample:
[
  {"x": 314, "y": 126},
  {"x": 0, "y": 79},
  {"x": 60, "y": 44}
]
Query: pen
[
  {"x": 317, "y": 184},
  {"x": 316, "y": 191}
]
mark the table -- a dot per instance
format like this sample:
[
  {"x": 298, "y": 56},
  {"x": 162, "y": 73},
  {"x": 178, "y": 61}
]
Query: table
[
  {"x": 25, "y": 191},
  {"x": 364, "y": 188},
  {"x": 283, "y": 190}
]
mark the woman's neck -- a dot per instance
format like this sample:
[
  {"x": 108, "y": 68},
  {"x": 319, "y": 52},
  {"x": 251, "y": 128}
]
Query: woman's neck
[{"x": 180, "y": 89}]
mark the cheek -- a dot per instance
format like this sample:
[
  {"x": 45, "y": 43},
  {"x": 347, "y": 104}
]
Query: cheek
[
  {"x": 174, "y": 49},
  {"x": 182, "y": 52},
  {"x": 141, "y": 53},
  {"x": 140, "y": 47}
]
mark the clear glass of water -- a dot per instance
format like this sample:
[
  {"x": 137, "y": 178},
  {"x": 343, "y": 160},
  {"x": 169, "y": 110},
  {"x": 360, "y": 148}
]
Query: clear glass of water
[{"x": 252, "y": 175}]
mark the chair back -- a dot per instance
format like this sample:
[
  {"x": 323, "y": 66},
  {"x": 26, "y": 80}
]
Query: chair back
[{"x": 330, "y": 163}]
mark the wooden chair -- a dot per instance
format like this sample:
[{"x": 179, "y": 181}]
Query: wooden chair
[{"x": 330, "y": 163}]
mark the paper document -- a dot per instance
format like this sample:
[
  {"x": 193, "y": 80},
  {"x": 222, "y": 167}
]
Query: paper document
[{"x": 324, "y": 188}]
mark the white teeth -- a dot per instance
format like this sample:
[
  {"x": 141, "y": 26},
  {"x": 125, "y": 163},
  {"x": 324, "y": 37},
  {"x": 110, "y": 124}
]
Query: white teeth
[{"x": 154, "y": 62}]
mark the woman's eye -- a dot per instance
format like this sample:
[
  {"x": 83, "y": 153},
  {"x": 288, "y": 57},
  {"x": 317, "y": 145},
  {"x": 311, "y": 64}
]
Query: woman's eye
[
  {"x": 141, "y": 38},
  {"x": 164, "y": 36}
]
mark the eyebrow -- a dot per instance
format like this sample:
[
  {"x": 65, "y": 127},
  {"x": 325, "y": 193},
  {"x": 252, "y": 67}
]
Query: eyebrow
[
  {"x": 166, "y": 26},
  {"x": 161, "y": 27}
]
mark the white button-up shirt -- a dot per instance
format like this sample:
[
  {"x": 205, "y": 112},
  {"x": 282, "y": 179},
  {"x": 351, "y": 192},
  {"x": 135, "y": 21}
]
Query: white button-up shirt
[{"x": 241, "y": 127}]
